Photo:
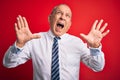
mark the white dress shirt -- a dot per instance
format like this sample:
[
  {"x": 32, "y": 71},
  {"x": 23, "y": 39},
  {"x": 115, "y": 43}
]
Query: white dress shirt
[{"x": 71, "y": 51}]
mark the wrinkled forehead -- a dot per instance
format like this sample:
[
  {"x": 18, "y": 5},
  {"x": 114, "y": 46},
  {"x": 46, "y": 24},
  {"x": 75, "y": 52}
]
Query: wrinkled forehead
[{"x": 62, "y": 7}]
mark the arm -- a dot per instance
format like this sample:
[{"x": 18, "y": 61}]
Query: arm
[
  {"x": 15, "y": 56},
  {"x": 19, "y": 53},
  {"x": 95, "y": 57}
]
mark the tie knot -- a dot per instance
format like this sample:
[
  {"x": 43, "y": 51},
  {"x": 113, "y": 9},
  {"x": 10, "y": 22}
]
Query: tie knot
[{"x": 57, "y": 38}]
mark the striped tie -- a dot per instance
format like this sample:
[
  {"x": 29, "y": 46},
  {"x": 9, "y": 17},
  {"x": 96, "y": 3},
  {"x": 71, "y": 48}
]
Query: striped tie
[{"x": 55, "y": 75}]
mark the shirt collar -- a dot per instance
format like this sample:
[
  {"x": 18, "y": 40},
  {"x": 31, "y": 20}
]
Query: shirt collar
[{"x": 50, "y": 33}]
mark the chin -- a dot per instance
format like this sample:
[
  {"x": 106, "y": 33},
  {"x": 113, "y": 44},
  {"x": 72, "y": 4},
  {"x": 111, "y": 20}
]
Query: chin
[{"x": 58, "y": 34}]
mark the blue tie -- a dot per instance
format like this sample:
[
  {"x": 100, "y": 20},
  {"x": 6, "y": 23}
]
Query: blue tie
[{"x": 55, "y": 75}]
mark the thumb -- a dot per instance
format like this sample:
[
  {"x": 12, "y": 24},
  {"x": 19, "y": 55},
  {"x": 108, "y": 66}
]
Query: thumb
[
  {"x": 36, "y": 36},
  {"x": 83, "y": 36}
]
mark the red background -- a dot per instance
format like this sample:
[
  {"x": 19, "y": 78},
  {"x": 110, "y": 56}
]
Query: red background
[{"x": 84, "y": 14}]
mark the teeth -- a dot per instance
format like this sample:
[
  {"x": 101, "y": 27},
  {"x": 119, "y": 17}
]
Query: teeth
[{"x": 60, "y": 25}]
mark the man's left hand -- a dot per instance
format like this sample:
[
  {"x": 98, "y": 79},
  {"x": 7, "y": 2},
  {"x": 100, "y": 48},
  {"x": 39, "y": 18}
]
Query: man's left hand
[{"x": 96, "y": 34}]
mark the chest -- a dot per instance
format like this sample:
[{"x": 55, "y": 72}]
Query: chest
[{"x": 69, "y": 53}]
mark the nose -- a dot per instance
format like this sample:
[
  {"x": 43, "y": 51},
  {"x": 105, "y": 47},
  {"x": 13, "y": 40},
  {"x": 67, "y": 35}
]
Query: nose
[{"x": 62, "y": 17}]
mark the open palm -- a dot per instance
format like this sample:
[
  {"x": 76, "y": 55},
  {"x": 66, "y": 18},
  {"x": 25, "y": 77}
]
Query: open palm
[
  {"x": 23, "y": 32},
  {"x": 96, "y": 34}
]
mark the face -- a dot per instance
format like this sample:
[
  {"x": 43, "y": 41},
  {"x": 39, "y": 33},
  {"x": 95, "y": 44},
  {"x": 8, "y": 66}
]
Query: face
[{"x": 60, "y": 20}]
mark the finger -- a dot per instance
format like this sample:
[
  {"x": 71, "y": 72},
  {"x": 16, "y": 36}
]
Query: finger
[
  {"x": 103, "y": 28},
  {"x": 25, "y": 22},
  {"x": 21, "y": 21},
  {"x": 99, "y": 24},
  {"x": 105, "y": 33},
  {"x": 16, "y": 28},
  {"x": 83, "y": 36},
  {"x": 18, "y": 23},
  {"x": 35, "y": 36},
  {"x": 94, "y": 25}
]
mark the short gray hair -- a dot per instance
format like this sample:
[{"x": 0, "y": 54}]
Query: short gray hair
[{"x": 55, "y": 8}]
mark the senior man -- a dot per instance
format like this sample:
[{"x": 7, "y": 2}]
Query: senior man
[{"x": 55, "y": 54}]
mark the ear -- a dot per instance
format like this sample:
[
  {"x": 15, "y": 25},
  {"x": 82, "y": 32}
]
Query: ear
[
  {"x": 49, "y": 18},
  {"x": 70, "y": 23}
]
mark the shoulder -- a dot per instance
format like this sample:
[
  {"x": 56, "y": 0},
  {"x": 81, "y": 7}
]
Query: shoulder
[
  {"x": 73, "y": 38},
  {"x": 42, "y": 36},
  {"x": 74, "y": 41},
  {"x": 42, "y": 33}
]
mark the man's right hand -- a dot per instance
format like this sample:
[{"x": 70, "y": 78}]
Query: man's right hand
[{"x": 23, "y": 32}]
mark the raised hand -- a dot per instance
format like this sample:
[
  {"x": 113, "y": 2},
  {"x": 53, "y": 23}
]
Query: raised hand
[
  {"x": 23, "y": 32},
  {"x": 96, "y": 34}
]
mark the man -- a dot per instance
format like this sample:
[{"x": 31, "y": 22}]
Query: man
[{"x": 70, "y": 50}]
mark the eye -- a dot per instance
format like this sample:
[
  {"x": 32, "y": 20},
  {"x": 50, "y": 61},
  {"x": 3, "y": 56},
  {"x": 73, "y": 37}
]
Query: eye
[
  {"x": 58, "y": 12},
  {"x": 68, "y": 16}
]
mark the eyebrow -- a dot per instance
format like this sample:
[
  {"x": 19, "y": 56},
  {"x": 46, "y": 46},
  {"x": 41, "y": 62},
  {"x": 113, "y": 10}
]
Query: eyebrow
[{"x": 62, "y": 11}]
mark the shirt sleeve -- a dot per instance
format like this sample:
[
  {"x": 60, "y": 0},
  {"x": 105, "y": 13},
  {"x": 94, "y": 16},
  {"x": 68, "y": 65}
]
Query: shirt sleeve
[
  {"x": 15, "y": 56},
  {"x": 17, "y": 49},
  {"x": 93, "y": 58}
]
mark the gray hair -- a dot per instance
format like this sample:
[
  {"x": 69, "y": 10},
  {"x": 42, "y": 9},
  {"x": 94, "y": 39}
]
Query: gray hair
[{"x": 55, "y": 8}]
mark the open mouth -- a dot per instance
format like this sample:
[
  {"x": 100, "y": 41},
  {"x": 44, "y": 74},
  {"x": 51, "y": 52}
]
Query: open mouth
[{"x": 60, "y": 25}]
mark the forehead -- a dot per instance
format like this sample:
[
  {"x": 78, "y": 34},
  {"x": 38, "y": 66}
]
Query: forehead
[{"x": 64, "y": 8}]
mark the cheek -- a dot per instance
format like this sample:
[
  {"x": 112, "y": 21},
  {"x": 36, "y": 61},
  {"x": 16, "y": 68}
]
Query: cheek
[
  {"x": 52, "y": 18},
  {"x": 52, "y": 22},
  {"x": 66, "y": 28},
  {"x": 68, "y": 24}
]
